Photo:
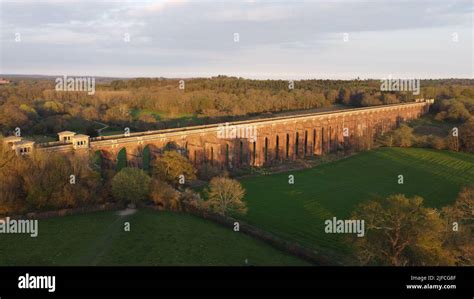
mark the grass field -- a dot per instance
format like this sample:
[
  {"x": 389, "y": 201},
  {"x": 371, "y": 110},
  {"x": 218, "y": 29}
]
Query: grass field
[
  {"x": 172, "y": 120},
  {"x": 297, "y": 212},
  {"x": 156, "y": 238},
  {"x": 135, "y": 113}
]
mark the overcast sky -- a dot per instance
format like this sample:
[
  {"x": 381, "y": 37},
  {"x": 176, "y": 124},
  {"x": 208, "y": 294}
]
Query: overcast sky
[{"x": 276, "y": 39}]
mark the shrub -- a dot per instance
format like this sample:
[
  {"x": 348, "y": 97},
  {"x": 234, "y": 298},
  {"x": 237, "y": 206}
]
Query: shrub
[
  {"x": 131, "y": 185},
  {"x": 437, "y": 142},
  {"x": 403, "y": 136},
  {"x": 189, "y": 197},
  {"x": 421, "y": 141},
  {"x": 207, "y": 171},
  {"x": 164, "y": 195}
]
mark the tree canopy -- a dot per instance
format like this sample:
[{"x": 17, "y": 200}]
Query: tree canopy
[
  {"x": 225, "y": 196},
  {"x": 131, "y": 185}
]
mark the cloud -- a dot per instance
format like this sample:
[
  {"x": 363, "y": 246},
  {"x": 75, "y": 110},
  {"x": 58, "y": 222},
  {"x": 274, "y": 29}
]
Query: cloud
[
  {"x": 277, "y": 37},
  {"x": 154, "y": 7},
  {"x": 253, "y": 13}
]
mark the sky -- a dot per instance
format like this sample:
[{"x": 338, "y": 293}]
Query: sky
[{"x": 291, "y": 39}]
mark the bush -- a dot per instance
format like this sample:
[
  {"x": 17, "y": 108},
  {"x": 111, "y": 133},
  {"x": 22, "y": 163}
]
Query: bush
[
  {"x": 421, "y": 141},
  {"x": 403, "y": 136},
  {"x": 164, "y": 195},
  {"x": 131, "y": 185},
  {"x": 437, "y": 142},
  {"x": 189, "y": 197},
  {"x": 207, "y": 171}
]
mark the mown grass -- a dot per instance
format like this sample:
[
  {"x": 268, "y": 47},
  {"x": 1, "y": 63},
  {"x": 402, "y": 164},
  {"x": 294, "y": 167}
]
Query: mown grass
[
  {"x": 155, "y": 238},
  {"x": 297, "y": 212}
]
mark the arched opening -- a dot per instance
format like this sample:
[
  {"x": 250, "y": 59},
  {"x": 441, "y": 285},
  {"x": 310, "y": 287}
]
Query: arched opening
[
  {"x": 254, "y": 152},
  {"x": 227, "y": 155},
  {"x": 287, "y": 145},
  {"x": 322, "y": 140},
  {"x": 330, "y": 141},
  {"x": 121, "y": 159},
  {"x": 212, "y": 155},
  {"x": 305, "y": 142},
  {"x": 146, "y": 158},
  {"x": 241, "y": 152},
  {"x": 277, "y": 148},
  {"x": 314, "y": 142},
  {"x": 265, "y": 150},
  {"x": 296, "y": 144},
  {"x": 171, "y": 146}
]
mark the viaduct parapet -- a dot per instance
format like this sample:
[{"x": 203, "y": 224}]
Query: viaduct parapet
[{"x": 252, "y": 142}]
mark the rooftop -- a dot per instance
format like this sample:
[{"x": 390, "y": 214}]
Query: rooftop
[
  {"x": 11, "y": 138},
  {"x": 78, "y": 136}
]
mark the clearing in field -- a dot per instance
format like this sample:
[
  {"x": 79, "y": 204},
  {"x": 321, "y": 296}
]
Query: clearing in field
[
  {"x": 297, "y": 212},
  {"x": 155, "y": 239}
]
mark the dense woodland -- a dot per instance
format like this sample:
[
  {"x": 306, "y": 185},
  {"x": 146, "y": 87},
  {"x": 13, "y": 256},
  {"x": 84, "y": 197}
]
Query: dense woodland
[{"x": 36, "y": 108}]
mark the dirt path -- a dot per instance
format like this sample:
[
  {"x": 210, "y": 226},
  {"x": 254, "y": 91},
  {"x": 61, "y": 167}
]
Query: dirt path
[
  {"x": 99, "y": 131},
  {"x": 127, "y": 212}
]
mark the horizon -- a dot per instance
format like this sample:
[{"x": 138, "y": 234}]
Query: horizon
[{"x": 230, "y": 76}]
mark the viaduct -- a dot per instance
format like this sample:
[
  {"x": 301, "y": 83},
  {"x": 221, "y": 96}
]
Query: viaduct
[{"x": 253, "y": 142}]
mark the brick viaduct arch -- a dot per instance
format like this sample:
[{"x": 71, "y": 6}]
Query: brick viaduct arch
[{"x": 275, "y": 140}]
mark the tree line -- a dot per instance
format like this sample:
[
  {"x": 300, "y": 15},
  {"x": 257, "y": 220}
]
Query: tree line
[
  {"x": 143, "y": 104},
  {"x": 52, "y": 181}
]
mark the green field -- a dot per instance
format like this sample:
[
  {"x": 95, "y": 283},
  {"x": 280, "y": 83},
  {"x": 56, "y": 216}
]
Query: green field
[
  {"x": 297, "y": 212},
  {"x": 135, "y": 113},
  {"x": 181, "y": 119},
  {"x": 156, "y": 238}
]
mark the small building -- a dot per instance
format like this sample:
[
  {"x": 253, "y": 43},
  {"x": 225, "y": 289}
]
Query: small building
[
  {"x": 80, "y": 141},
  {"x": 66, "y": 136},
  {"x": 4, "y": 81},
  {"x": 23, "y": 147},
  {"x": 10, "y": 140}
]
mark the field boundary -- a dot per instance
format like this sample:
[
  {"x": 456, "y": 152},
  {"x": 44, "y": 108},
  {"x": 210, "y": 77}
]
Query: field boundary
[
  {"x": 67, "y": 212},
  {"x": 288, "y": 247}
]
